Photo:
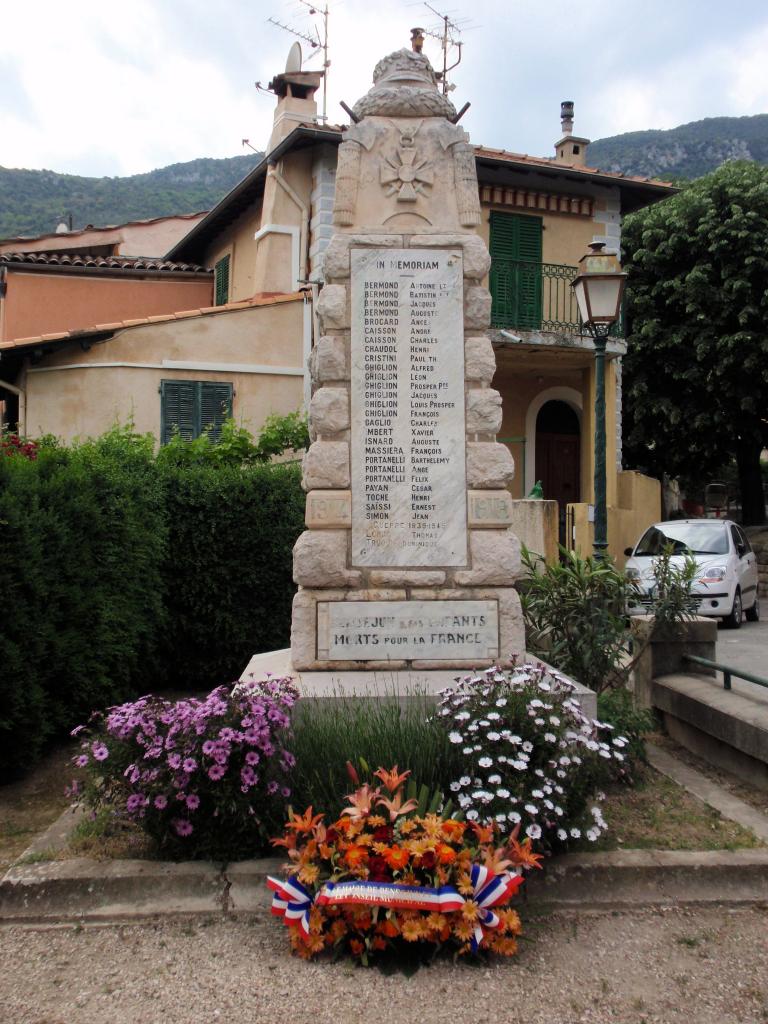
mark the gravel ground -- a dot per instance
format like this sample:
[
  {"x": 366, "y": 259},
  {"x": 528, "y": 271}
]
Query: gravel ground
[{"x": 707, "y": 966}]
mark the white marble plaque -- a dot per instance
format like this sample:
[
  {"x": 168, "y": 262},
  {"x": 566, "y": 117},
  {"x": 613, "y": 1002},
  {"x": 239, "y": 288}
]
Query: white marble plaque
[
  {"x": 409, "y": 504},
  {"x": 434, "y": 630}
]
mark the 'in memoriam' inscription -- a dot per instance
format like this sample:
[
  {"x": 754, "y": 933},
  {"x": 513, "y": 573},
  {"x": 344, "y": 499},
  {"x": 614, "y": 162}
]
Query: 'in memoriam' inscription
[
  {"x": 408, "y": 423},
  {"x": 381, "y": 630}
]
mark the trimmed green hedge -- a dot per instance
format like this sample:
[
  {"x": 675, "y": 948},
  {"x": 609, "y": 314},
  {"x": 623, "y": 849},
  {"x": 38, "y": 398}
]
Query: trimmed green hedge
[
  {"x": 121, "y": 574},
  {"x": 228, "y": 575}
]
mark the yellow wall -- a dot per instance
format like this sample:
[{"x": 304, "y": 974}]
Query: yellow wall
[
  {"x": 85, "y": 400},
  {"x": 564, "y": 237},
  {"x": 639, "y": 506},
  {"x": 238, "y": 243},
  {"x": 266, "y": 265}
]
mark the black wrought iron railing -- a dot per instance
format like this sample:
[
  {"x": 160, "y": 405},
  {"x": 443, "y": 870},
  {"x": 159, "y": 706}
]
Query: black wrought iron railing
[{"x": 536, "y": 297}]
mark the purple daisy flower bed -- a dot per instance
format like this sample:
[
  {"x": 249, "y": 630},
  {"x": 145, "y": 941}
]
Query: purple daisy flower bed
[{"x": 203, "y": 778}]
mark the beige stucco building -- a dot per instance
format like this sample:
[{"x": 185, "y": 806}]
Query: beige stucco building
[{"x": 249, "y": 350}]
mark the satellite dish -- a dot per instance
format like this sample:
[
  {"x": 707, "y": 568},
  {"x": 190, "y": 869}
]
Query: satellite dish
[{"x": 293, "y": 64}]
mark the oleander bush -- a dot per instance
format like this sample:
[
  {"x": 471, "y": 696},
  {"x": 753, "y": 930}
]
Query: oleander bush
[{"x": 202, "y": 778}]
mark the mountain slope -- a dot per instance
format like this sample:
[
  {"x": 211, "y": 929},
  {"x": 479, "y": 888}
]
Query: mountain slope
[
  {"x": 33, "y": 202},
  {"x": 684, "y": 152}
]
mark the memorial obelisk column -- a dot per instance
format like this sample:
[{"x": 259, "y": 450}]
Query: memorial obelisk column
[{"x": 407, "y": 562}]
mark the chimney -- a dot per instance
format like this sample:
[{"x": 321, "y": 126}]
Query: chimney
[
  {"x": 295, "y": 91},
  {"x": 570, "y": 149}
]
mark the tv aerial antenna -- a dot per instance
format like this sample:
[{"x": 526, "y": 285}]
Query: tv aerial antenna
[
  {"x": 448, "y": 34},
  {"x": 317, "y": 38}
]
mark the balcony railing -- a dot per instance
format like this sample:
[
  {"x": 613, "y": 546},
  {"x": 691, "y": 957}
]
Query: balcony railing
[{"x": 536, "y": 297}]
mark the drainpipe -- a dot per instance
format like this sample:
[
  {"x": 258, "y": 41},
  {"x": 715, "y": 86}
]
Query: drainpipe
[
  {"x": 274, "y": 172},
  {"x": 22, "y": 395}
]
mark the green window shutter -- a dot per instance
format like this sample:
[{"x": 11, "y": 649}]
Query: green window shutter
[
  {"x": 515, "y": 279},
  {"x": 191, "y": 406},
  {"x": 178, "y": 409},
  {"x": 221, "y": 275},
  {"x": 215, "y": 407}
]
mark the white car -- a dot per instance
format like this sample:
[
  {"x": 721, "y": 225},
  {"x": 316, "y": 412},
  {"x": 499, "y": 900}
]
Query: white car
[{"x": 726, "y": 581}]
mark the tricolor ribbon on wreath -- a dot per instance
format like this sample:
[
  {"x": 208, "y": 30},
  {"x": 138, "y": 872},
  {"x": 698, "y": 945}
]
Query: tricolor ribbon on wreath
[{"x": 292, "y": 902}]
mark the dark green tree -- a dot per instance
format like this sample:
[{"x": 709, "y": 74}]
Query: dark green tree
[{"x": 696, "y": 373}]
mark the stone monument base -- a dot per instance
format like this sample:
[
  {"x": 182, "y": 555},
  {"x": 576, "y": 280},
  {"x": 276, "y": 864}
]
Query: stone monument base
[{"x": 399, "y": 683}]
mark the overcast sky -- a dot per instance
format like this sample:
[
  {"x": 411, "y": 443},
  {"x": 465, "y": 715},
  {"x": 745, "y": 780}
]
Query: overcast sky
[{"x": 120, "y": 87}]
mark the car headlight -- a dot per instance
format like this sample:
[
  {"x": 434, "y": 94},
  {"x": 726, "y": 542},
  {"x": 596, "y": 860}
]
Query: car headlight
[
  {"x": 632, "y": 574},
  {"x": 714, "y": 574}
]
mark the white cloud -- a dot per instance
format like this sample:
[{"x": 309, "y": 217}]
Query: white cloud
[{"x": 124, "y": 86}]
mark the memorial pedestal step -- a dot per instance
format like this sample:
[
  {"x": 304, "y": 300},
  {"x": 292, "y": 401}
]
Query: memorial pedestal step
[{"x": 399, "y": 683}]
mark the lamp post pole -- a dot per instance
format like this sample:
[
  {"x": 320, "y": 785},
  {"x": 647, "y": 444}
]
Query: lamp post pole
[
  {"x": 598, "y": 287},
  {"x": 600, "y": 542}
]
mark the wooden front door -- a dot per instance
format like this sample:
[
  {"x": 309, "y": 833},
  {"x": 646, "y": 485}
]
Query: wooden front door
[{"x": 558, "y": 456}]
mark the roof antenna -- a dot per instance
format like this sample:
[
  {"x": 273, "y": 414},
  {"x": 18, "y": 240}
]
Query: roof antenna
[
  {"x": 448, "y": 35},
  {"x": 318, "y": 42}
]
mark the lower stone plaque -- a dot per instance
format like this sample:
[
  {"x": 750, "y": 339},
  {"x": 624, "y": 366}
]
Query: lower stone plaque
[{"x": 435, "y": 630}]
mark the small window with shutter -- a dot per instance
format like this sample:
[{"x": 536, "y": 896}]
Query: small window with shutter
[
  {"x": 221, "y": 281},
  {"x": 193, "y": 406},
  {"x": 515, "y": 278}
]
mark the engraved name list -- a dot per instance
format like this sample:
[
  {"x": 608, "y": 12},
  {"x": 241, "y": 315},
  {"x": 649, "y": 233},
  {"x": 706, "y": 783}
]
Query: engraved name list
[{"x": 408, "y": 423}]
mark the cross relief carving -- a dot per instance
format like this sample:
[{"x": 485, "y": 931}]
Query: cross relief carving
[{"x": 403, "y": 175}]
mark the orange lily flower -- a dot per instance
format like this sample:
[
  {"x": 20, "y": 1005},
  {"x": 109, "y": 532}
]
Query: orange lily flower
[
  {"x": 396, "y": 807},
  {"x": 484, "y": 833},
  {"x": 304, "y": 822},
  {"x": 362, "y": 801},
  {"x": 391, "y": 779},
  {"x": 521, "y": 853}
]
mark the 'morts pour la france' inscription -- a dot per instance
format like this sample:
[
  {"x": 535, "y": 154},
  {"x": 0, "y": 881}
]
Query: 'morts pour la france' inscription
[
  {"x": 408, "y": 423},
  {"x": 388, "y": 630}
]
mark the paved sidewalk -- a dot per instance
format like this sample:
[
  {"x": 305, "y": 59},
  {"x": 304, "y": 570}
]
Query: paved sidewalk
[{"x": 747, "y": 649}]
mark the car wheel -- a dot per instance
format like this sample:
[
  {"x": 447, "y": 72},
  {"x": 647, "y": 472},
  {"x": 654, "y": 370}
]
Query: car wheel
[
  {"x": 733, "y": 621},
  {"x": 753, "y": 613}
]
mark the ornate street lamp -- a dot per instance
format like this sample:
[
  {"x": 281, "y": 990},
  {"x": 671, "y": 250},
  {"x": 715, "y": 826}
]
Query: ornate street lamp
[{"x": 599, "y": 287}]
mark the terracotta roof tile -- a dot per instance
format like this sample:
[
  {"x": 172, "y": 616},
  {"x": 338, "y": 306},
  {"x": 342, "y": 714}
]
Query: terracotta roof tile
[
  {"x": 59, "y": 259},
  {"x": 102, "y": 227},
  {"x": 552, "y": 164},
  {"x": 269, "y": 299}
]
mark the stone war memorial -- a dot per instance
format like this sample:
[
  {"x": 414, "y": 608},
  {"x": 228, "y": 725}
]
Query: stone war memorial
[{"x": 407, "y": 565}]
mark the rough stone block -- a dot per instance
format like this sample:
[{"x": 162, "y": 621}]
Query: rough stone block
[
  {"x": 489, "y": 509},
  {"x": 477, "y": 259},
  {"x": 336, "y": 258},
  {"x": 489, "y": 464},
  {"x": 329, "y": 411},
  {"x": 407, "y": 578},
  {"x": 332, "y": 307},
  {"x": 479, "y": 360},
  {"x": 483, "y": 411},
  {"x": 326, "y": 465},
  {"x": 328, "y": 360},
  {"x": 495, "y": 559},
  {"x": 320, "y": 560},
  {"x": 328, "y": 510},
  {"x": 477, "y": 308}
]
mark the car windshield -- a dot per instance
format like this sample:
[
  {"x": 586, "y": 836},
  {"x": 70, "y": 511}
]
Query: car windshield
[{"x": 694, "y": 538}]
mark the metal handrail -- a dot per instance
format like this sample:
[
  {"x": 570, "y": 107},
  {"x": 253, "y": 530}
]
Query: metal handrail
[
  {"x": 727, "y": 671},
  {"x": 536, "y": 297}
]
